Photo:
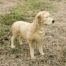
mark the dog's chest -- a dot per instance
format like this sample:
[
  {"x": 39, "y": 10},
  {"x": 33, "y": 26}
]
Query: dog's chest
[
  {"x": 39, "y": 34},
  {"x": 40, "y": 31}
]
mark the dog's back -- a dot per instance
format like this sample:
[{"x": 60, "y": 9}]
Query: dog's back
[{"x": 20, "y": 28}]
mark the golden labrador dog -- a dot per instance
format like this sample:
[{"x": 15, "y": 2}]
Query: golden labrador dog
[{"x": 32, "y": 31}]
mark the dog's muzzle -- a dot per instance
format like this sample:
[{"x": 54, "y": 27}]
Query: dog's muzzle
[{"x": 53, "y": 21}]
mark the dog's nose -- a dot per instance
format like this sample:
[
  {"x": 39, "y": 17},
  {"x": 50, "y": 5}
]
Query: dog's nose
[{"x": 53, "y": 21}]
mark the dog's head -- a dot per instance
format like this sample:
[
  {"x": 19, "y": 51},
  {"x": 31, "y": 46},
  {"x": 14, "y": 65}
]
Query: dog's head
[{"x": 44, "y": 18}]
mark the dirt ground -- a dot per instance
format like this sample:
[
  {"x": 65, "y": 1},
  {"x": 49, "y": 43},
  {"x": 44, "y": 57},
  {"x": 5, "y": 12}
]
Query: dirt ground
[{"x": 54, "y": 42}]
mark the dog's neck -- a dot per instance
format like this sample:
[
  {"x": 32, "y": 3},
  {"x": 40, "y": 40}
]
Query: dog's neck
[{"x": 38, "y": 27}]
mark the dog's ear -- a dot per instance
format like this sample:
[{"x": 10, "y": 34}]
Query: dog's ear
[{"x": 39, "y": 19}]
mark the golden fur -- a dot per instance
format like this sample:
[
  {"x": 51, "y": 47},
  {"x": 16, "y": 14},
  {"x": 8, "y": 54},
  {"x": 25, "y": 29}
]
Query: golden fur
[{"x": 32, "y": 31}]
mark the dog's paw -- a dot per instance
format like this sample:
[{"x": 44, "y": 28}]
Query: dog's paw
[
  {"x": 21, "y": 43},
  {"x": 42, "y": 53},
  {"x": 33, "y": 57},
  {"x": 13, "y": 47}
]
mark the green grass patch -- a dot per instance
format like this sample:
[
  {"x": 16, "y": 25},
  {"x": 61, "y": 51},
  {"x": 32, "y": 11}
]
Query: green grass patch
[
  {"x": 3, "y": 29},
  {"x": 25, "y": 11},
  {"x": 1, "y": 1}
]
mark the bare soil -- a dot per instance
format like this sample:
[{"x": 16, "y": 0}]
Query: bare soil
[{"x": 54, "y": 42}]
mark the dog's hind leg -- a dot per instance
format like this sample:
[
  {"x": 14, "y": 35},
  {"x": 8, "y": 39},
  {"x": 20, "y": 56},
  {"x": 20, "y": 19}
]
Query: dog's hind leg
[{"x": 20, "y": 40}]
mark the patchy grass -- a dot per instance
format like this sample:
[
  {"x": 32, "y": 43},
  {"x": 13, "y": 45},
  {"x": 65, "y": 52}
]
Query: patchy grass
[
  {"x": 25, "y": 10},
  {"x": 1, "y": 1},
  {"x": 3, "y": 29}
]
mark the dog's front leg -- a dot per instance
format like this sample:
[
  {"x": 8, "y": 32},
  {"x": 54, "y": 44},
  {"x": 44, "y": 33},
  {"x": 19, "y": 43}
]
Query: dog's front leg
[
  {"x": 31, "y": 50},
  {"x": 40, "y": 47}
]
